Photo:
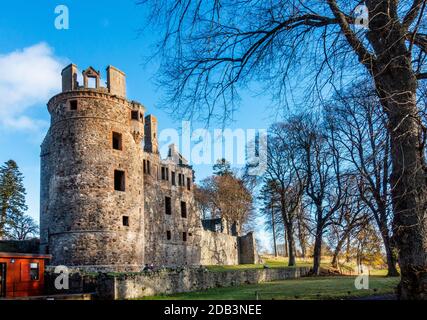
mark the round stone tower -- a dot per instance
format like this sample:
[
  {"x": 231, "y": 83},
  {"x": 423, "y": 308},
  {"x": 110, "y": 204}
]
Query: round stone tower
[{"x": 92, "y": 205}]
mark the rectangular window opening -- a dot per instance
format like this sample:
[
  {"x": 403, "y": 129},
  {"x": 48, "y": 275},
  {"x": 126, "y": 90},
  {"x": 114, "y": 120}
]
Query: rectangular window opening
[
  {"x": 126, "y": 221},
  {"x": 168, "y": 235},
  {"x": 73, "y": 105},
  {"x": 173, "y": 179},
  {"x": 135, "y": 115},
  {"x": 188, "y": 184},
  {"x": 184, "y": 236},
  {"x": 164, "y": 173},
  {"x": 168, "y": 205},
  {"x": 183, "y": 209},
  {"x": 119, "y": 180},
  {"x": 117, "y": 141}
]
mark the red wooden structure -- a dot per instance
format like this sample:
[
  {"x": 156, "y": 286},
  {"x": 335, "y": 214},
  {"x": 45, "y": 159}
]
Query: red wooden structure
[{"x": 21, "y": 274}]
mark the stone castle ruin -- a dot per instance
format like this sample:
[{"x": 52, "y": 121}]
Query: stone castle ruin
[{"x": 108, "y": 200}]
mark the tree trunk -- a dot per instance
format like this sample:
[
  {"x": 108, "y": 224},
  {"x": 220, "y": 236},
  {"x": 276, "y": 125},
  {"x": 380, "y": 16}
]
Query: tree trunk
[
  {"x": 409, "y": 193},
  {"x": 291, "y": 246},
  {"x": 286, "y": 252},
  {"x": 274, "y": 231},
  {"x": 337, "y": 251},
  {"x": 396, "y": 84},
  {"x": 300, "y": 233},
  {"x": 317, "y": 254},
  {"x": 391, "y": 260},
  {"x": 347, "y": 250}
]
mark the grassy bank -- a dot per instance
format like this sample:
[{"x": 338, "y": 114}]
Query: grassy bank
[{"x": 305, "y": 288}]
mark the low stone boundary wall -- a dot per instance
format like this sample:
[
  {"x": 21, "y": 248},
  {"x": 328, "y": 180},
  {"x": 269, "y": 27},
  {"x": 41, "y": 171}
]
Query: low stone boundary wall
[{"x": 120, "y": 286}]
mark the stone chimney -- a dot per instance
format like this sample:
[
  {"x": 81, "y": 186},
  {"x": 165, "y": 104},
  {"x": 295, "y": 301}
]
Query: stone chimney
[
  {"x": 151, "y": 145},
  {"x": 69, "y": 78},
  {"x": 116, "y": 81}
]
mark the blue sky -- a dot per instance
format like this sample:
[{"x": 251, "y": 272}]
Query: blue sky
[{"x": 33, "y": 51}]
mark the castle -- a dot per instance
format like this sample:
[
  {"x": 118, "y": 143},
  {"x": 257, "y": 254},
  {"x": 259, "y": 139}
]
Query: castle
[{"x": 108, "y": 200}]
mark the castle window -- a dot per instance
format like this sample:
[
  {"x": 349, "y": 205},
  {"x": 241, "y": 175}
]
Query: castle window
[
  {"x": 168, "y": 235},
  {"x": 73, "y": 105},
  {"x": 168, "y": 205},
  {"x": 188, "y": 184},
  {"x": 173, "y": 179},
  {"x": 148, "y": 167},
  {"x": 184, "y": 236},
  {"x": 144, "y": 166},
  {"x": 91, "y": 83},
  {"x": 126, "y": 221},
  {"x": 117, "y": 141},
  {"x": 183, "y": 209},
  {"x": 165, "y": 173},
  {"x": 119, "y": 180},
  {"x": 134, "y": 115},
  {"x": 180, "y": 179}
]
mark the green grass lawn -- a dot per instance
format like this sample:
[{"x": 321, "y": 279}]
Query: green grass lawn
[
  {"x": 271, "y": 263},
  {"x": 309, "y": 288}
]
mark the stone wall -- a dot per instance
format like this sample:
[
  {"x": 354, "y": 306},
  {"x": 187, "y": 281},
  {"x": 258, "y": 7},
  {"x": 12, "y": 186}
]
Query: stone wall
[
  {"x": 137, "y": 285},
  {"x": 82, "y": 214},
  {"x": 178, "y": 249},
  {"x": 247, "y": 249},
  {"x": 89, "y": 218},
  {"x": 218, "y": 249},
  {"x": 188, "y": 280}
]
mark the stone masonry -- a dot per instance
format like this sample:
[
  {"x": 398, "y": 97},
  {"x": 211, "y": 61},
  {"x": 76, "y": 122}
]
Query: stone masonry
[{"x": 108, "y": 200}]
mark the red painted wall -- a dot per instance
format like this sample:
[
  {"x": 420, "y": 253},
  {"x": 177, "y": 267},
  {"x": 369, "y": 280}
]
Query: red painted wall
[{"x": 18, "y": 275}]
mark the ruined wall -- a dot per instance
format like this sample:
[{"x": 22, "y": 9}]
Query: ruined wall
[
  {"x": 159, "y": 250},
  {"x": 138, "y": 285},
  {"x": 81, "y": 212},
  {"x": 247, "y": 249},
  {"x": 84, "y": 220},
  {"x": 218, "y": 249}
]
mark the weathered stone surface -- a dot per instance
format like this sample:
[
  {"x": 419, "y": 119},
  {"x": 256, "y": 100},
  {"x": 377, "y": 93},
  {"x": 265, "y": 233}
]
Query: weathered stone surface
[
  {"x": 137, "y": 285},
  {"x": 84, "y": 221}
]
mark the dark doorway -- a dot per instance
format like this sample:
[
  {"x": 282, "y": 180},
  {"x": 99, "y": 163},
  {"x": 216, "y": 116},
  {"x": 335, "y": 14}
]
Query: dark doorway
[{"x": 2, "y": 280}]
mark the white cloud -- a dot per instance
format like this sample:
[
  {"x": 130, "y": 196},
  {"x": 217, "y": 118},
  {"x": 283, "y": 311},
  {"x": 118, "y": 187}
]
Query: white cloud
[{"x": 28, "y": 78}]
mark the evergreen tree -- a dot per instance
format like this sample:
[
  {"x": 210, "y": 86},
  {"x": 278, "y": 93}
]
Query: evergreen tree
[
  {"x": 222, "y": 168},
  {"x": 12, "y": 194}
]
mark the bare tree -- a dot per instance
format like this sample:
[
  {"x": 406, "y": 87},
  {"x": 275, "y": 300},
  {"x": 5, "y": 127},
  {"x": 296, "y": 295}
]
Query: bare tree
[
  {"x": 362, "y": 132},
  {"x": 351, "y": 215},
  {"x": 303, "y": 228},
  {"x": 289, "y": 187},
  {"x": 316, "y": 161},
  {"x": 270, "y": 211},
  {"x": 211, "y": 48},
  {"x": 21, "y": 227}
]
